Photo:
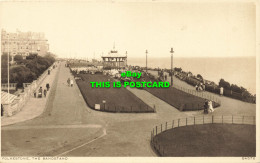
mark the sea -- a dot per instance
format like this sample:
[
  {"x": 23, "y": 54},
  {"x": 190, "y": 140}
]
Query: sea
[{"x": 238, "y": 70}]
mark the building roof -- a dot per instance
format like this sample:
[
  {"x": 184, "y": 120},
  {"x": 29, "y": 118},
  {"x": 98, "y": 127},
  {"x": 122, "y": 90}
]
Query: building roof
[
  {"x": 4, "y": 97},
  {"x": 114, "y": 54}
]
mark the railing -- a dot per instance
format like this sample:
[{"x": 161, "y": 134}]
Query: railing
[
  {"x": 199, "y": 120},
  {"x": 23, "y": 97},
  {"x": 199, "y": 94},
  {"x": 12, "y": 86},
  {"x": 143, "y": 108}
]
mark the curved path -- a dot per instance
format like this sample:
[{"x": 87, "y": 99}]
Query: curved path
[{"x": 115, "y": 134}]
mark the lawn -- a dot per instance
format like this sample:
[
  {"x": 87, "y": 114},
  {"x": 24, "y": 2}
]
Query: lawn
[
  {"x": 116, "y": 99},
  {"x": 177, "y": 98},
  {"x": 211, "y": 140}
]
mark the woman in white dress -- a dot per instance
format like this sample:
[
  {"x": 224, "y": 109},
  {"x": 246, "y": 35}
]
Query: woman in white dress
[
  {"x": 210, "y": 107},
  {"x": 71, "y": 83}
]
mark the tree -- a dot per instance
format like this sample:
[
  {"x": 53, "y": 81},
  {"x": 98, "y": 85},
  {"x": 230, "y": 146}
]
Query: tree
[
  {"x": 18, "y": 58},
  {"x": 224, "y": 84},
  {"x": 236, "y": 88},
  {"x": 199, "y": 76},
  {"x": 177, "y": 69},
  {"x": 32, "y": 56}
]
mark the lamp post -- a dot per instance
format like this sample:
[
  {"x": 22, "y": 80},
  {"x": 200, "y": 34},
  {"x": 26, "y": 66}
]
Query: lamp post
[
  {"x": 8, "y": 68},
  {"x": 146, "y": 52},
  {"x": 126, "y": 58},
  {"x": 104, "y": 102},
  {"x": 171, "y": 64}
]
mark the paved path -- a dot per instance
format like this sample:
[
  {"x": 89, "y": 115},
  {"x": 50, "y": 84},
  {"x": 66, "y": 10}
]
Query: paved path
[
  {"x": 117, "y": 134},
  {"x": 34, "y": 106},
  {"x": 228, "y": 106},
  {"x": 64, "y": 124}
]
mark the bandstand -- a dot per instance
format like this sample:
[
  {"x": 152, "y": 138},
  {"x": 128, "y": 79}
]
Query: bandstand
[{"x": 114, "y": 60}]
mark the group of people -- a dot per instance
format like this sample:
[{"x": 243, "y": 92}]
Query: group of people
[
  {"x": 208, "y": 107},
  {"x": 40, "y": 91},
  {"x": 70, "y": 82},
  {"x": 200, "y": 87}
]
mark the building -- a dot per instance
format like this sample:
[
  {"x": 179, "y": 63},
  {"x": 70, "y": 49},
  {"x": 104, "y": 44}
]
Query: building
[
  {"x": 114, "y": 60},
  {"x": 24, "y": 43}
]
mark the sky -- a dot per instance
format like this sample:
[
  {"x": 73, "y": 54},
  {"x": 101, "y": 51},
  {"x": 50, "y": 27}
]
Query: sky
[{"x": 89, "y": 29}]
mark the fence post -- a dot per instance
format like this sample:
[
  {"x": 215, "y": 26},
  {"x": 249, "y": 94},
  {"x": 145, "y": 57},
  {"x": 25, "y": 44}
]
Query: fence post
[
  {"x": 178, "y": 122},
  {"x": 166, "y": 126},
  {"x": 156, "y": 130},
  {"x": 162, "y": 151},
  {"x": 186, "y": 121},
  {"x": 212, "y": 119}
]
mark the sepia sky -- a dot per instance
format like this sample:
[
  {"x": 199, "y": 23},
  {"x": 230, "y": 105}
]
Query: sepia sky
[{"x": 82, "y": 29}]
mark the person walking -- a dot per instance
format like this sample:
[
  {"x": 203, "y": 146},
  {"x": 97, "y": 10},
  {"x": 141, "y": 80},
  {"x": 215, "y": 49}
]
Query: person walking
[
  {"x": 68, "y": 81},
  {"x": 48, "y": 86},
  {"x": 40, "y": 93},
  {"x": 34, "y": 93},
  {"x": 210, "y": 107},
  {"x": 45, "y": 92},
  {"x": 71, "y": 83}
]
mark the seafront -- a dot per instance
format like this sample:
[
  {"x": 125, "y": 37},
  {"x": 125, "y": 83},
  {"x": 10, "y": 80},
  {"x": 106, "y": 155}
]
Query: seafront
[
  {"x": 104, "y": 134},
  {"x": 34, "y": 107}
]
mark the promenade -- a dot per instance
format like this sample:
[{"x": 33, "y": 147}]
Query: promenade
[
  {"x": 59, "y": 130},
  {"x": 34, "y": 107}
]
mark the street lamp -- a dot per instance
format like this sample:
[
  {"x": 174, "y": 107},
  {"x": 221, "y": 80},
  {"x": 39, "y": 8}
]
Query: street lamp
[
  {"x": 146, "y": 52},
  {"x": 171, "y": 64},
  {"x": 126, "y": 58},
  {"x": 8, "y": 68},
  {"x": 104, "y": 102}
]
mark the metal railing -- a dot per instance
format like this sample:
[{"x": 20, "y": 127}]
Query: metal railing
[
  {"x": 198, "y": 120},
  {"x": 200, "y": 94}
]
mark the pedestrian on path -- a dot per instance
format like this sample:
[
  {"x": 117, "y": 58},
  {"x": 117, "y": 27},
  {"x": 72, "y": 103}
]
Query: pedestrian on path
[
  {"x": 45, "y": 92},
  {"x": 210, "y": 107},
  {"x": 34, "y": 93},
  {"x": 40, "y": 93},
  {"x": 48, "y": 86},
  {"x": 71, "y": 83},
  {"x": 68, "y": 81}
]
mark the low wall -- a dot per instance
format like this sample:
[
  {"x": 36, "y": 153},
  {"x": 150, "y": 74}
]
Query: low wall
[
  {"x": 12, "y": 86},
  {"x": 16, "y": 106}
]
